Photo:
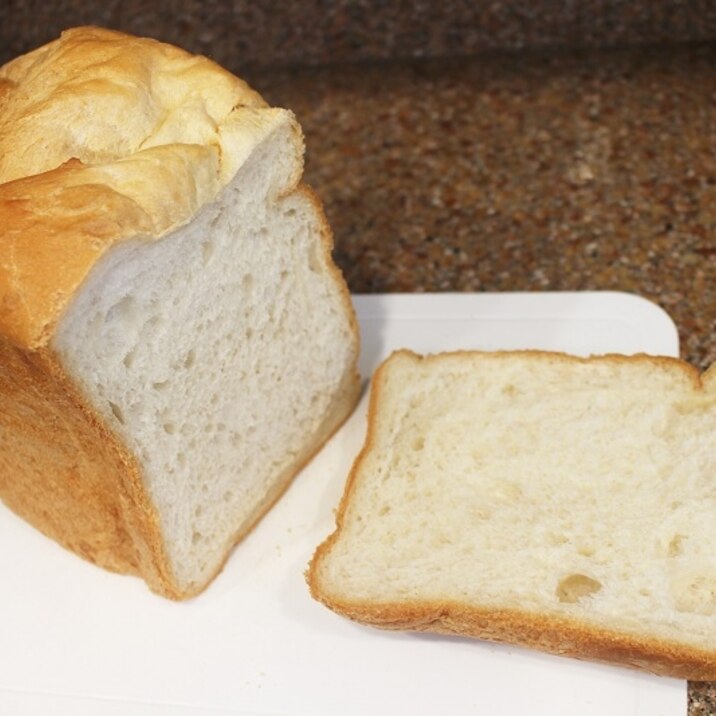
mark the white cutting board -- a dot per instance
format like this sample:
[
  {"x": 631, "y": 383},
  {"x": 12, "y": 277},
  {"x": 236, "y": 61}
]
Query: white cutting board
[{"x": 75, "y": 640}]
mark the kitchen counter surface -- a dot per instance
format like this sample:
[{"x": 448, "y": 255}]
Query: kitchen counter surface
[
  {"x": 521, "y": 173},
  {"x": 589, "y": 170}
]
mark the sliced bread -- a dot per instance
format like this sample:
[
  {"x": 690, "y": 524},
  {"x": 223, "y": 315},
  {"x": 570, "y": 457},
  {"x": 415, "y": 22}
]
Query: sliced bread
[{"x": 560, "y": 503}]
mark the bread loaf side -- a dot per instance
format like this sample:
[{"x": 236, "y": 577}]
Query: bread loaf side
[{"x": 175, "y": 340}]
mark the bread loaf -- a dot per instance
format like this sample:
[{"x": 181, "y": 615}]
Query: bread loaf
[
  {"x": 175, "y": 340},
  {"x": 560, "y": 503}
]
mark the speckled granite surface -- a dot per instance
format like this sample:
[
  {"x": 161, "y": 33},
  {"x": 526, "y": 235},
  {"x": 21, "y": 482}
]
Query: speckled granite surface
[
  {"x": 523, "y": 173},
  {"x": 239, "y": 33}
]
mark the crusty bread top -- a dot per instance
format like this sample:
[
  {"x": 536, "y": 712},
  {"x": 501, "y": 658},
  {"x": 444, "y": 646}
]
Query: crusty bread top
[
  {"x": 99, "y": 95},
  {"x": 106, "y": 137}
]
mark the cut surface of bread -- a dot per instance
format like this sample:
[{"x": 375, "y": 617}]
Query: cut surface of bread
[
  {"x": 175, "y": 340},
  {"x": 560, "y": 503}
]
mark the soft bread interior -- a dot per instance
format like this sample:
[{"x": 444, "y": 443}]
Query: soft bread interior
[
  {"x": 220, "y": 355},
  {"x": 536, "y": 483}
]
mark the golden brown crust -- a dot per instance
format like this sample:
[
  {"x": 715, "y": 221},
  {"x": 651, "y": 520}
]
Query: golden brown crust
[
  {"x": 55, "y": 227},
  {"x": 142, "y": 93},
  {"x": 322, "y": 551},
  {"x": 551, "y": 633},
  {"x": 665, "y": 362},
  {"x": 63, "y": 471}
]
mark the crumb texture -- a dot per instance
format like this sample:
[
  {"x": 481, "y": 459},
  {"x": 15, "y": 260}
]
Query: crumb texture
[
  {"x": 542, "y": 484},
  {"x": 207, "y": 353}
]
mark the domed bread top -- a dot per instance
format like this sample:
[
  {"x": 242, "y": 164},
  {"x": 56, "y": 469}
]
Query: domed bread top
[
  {"x": 98, "y": 95},
  {"x": 106, "y": 137}
]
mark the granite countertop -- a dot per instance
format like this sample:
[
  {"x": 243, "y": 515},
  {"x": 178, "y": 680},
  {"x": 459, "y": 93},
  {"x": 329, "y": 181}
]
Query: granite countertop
[
  {"x": 318, "y": 32},
  {"x": 587, "y": 170},
  {"x": 521, "y": 172}
]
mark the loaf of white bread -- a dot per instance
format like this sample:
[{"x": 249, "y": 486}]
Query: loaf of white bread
[
  {"x": 560, "y": 503},
  {"x": 175, "y": 340}
]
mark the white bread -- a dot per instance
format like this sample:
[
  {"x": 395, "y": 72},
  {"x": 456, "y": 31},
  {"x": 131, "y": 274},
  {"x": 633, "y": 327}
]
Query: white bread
[
  {"x": 560, "y": 503},
  {"x": 175, "y": 340}
]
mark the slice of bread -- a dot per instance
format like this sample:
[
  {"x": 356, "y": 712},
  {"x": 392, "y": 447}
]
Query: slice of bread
[
  {"x": 560, "y": 503},
  {"x": 175, "y": 340}
]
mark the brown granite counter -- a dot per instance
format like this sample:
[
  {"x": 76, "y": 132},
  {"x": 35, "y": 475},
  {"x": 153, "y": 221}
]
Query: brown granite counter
[
  {"x": 298, "y": 32},
  {"x": 523, "y": 172}
]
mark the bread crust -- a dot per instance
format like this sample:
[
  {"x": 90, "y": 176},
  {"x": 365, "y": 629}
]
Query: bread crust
[
  {"x": 554, "y": 634},
  {"x": 66, "y": 473},
  {"x": 142, "y": 94},
  {"x": 74, "y": 184},
  {"x": 551, "y": 634}
]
